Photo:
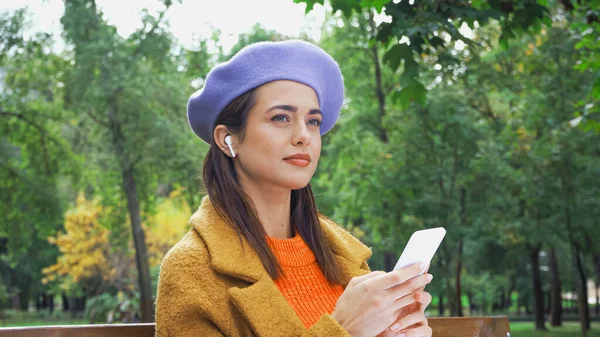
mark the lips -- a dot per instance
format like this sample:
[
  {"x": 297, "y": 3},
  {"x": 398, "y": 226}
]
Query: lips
[{"x": 298, "y": 159}]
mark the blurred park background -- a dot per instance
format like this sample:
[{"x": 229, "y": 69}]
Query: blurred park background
[{"x": 478, "y": 116}]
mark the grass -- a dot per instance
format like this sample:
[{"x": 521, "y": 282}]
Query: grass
[
  {"x": 569, "y": 329},
  {"x": 8, "y": 324},
  {"x": 12, "y": 318}
]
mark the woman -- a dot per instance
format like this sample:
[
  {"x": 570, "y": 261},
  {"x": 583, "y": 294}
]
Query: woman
[{"x": 260, "y": 260}]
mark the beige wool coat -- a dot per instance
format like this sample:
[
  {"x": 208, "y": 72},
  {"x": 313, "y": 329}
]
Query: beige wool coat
[{"x": 209, "y": 287}]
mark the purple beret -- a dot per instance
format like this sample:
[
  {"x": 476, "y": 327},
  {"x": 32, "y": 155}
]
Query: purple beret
[{"x": 264, "y": 62}]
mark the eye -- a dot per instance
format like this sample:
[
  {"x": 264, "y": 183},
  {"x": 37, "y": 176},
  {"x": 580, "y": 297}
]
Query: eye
[
  {"x": 280, "y": 118},
  {"x": 314, "y": 122}
]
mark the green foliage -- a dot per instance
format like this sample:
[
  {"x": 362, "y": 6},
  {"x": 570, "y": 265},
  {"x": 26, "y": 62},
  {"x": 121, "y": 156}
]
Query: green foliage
[
  {"x": 58, "y": 128},
  {"x": 490, "y": 141},
  {"x": 483, "y": 155},
  {"x": 429, "y": 25},
  {"x": 108, "y": 308},
  {"x": 523, "y": 329}
]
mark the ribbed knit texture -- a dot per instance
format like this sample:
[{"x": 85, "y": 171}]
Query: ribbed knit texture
[{"x": 303, "y": 284}]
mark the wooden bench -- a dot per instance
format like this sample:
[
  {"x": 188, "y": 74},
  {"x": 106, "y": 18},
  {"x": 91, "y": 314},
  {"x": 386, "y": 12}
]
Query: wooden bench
[{"x": 495, "y": 326}]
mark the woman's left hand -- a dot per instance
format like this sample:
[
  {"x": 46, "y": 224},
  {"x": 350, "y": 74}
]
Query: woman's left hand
[{"x": 411, "y": 318}]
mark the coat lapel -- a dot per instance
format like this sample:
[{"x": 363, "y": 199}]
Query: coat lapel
[{"x": 261, "y": 302}]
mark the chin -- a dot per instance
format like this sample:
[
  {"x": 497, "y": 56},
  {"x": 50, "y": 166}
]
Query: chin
[{"x": 295, "y": 183}]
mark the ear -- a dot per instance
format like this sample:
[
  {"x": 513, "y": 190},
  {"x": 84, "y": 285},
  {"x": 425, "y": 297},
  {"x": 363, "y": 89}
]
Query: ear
[{"x": 219, "y": 136}]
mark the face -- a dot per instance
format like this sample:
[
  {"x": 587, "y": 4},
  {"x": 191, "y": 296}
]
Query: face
[{"x": 281, "y": 143}]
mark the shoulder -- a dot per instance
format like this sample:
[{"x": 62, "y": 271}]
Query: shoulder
[
  {"x": 190, "y": 251},
  {"x": 185, "y": 274},
  {"x": 190, "y": 295},
  {"x": 187, "y": 262}
]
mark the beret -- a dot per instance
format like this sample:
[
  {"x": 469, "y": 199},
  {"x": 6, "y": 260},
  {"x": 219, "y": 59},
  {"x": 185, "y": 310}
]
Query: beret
[{"x": 260, "y": 63}]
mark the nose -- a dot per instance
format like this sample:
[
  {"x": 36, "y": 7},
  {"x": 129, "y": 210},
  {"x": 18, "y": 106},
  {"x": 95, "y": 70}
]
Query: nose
[{"x": 301, "y": 136}]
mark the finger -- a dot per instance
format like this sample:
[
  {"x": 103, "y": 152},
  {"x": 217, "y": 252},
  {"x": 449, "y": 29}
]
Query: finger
[
  {"x": 410, "y": 286},
  {"x": 400, "y": 303},
  {"x": 414, "y": 307},
  {"x": 408, "y": 320},
  {"x": 424, "y": 298},
  {"x": 402, "y": 275},
  {"x": 427, "y": 269},
  {"x": 359, "y": 279},
  {"x": 418, "y": 324},
  {"x": 420, "y": 331}
]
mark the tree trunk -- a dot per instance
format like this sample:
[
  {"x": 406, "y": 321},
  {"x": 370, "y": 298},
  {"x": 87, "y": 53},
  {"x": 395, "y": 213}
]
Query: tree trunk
[
  {"x": 378, "y": 87},
  {"x": 580, "y": 279},
  {"x": 441, "y": 305},
  {"x": 451, "y": 297},
  {"x": 459, "y": 251},
  {"x": 511, "y": 287},
  {"x": 133, "y": 206},
  {"x": 389, "y": 257},
  {"x": 24, "y": 296},
  {"x": 597, "y": 299},
  {"x": 45, "y": 301},
  {"x": 538, "y": 295},
  {"x": 471, "y": 304},
  {"x": 502, "y": 301},
  {"x": 555, "y": 291},
  {"x": 15, "y": 302},
  {"x": 73, "y": 306},
  {"x": 65, "y": 302},
  {"x": 597, "y": 268},
  {"x": 458, "y": 303},
  {"x": 582, "y": 292}
]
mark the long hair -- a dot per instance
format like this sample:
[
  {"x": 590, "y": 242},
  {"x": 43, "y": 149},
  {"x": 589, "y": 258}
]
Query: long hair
[{"x": 238, "y": 211}]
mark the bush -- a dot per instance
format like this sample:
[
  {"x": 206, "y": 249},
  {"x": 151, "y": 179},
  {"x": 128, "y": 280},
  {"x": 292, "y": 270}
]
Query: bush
[{"x": 109, "y": 308}]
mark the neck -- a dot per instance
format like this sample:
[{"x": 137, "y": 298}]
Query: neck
[{"x": 273, "y": 208}]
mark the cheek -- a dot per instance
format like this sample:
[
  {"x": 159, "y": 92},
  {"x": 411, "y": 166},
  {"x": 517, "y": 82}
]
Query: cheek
[
  {"x": 260, "y": 142},
  {"x": 316, "y": 146}
]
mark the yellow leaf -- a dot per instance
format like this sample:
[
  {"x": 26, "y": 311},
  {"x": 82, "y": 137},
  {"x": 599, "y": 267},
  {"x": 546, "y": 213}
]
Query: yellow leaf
[{"x": 530, "y": 49}]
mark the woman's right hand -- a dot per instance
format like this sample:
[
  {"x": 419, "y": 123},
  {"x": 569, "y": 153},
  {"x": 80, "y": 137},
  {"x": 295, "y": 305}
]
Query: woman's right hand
[{"x": 369, "y": 303}]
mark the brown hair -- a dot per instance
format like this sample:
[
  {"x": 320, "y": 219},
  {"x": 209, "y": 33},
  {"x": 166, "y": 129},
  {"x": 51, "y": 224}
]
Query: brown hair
[{"x": 237, "y": 209}]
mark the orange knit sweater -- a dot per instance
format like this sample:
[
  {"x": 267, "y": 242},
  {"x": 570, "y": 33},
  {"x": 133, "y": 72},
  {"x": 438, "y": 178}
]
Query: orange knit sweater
[{"x": 303, "y": 284}]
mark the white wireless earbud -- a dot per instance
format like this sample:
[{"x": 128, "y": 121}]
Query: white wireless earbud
[{"x": 229, "y": 143}]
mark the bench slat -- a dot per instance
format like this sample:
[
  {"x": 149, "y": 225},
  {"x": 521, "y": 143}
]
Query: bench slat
[
  {"x": 470, "y": 326},
  {"x": 94, "y": 330},
  {"x": 496, "y": 326}
]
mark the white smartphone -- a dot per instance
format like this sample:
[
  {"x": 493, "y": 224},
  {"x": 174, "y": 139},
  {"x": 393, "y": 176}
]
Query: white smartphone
[{"x": 421, "y": 247}]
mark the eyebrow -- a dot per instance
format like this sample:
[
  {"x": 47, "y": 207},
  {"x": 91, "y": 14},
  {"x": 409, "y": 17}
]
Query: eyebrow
[{"x": 292, "y": 108}]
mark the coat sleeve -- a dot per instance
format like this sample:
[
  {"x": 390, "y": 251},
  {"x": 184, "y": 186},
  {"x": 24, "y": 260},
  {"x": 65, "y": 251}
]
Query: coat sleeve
[
  {"x": 326, "y": 326},
  {"x": 181, "y": 308}
]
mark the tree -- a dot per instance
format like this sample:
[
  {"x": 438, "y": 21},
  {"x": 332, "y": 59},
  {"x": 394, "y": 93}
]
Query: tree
[
  {"x": 34, "y": 157},
  {"x": 84, "y": 248},
  {"x": 127, "y": 90},
  {"x": 421, "y": 27}
]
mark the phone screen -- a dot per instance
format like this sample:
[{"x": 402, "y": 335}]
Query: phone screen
[{"x": 421, "y": 247}]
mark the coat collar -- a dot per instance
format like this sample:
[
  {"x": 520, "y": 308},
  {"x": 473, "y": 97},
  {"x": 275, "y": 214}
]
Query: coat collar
[
  {"x": 226, "y": 250},
  {"x": 261, "y": 303}
]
